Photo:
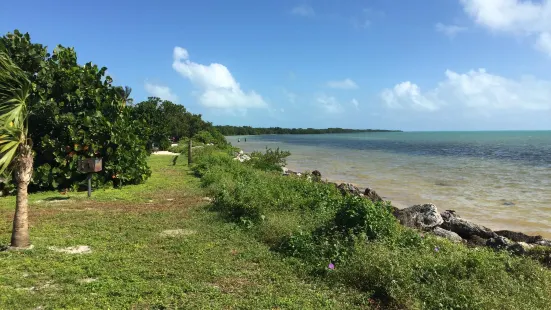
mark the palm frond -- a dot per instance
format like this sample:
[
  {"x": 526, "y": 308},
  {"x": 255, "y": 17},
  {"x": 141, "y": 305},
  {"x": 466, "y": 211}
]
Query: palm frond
[{"x": 15, "y": 89}]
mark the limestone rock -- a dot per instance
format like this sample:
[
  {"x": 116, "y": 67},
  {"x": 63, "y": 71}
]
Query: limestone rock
[
  {"x": 350, "y": 189},
  {"x": 499, "y": 243},
  {"x": 372, "y": 195},
  {"x": 519, "y": 248},
  {"x": 424, "y": 217},
  {"x": 450, "y": 235},
  {"x": 518, "y": 236},
  {"x": 464, "y": 228}
]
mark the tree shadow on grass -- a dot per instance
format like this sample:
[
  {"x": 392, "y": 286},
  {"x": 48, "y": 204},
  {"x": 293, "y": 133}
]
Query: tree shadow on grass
[{"x": 57, "y": 198}]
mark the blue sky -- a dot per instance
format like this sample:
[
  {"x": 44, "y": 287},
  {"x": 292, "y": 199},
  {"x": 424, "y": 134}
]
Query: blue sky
[{"x": 394, "y": 64}]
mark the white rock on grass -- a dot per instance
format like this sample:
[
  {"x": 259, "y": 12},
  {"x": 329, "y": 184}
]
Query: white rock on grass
[
  {"x": 79, "y": 249},
  {"x": 87, "y": 280},
  {"x": 177, "y": 232}
]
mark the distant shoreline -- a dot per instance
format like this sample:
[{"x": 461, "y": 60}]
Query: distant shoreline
[{"x": 257, "y": 131}]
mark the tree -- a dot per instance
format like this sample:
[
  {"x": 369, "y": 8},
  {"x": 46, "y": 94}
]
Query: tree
[
  {"x": 76, "y": 112},
  {"x": 15, "y": 145},
  {"x": 124, "y": 94}
]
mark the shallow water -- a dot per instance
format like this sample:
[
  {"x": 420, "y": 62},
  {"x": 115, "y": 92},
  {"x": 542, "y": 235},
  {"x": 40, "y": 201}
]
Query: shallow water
[{"x": 498, "y": 179}]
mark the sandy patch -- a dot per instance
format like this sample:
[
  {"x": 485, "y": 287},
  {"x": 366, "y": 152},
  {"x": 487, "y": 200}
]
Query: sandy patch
[
  {"x": 79, "y": 249},
  {"x": 87, "y": 280},
  {"x": 177, "y": 232},
  {"x": 165, "y": 153}
]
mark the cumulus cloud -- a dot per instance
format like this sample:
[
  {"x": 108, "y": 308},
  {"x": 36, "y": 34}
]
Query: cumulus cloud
[
  {"x": 217, "y": 87},
  {"x": 449, "y": 30},
  {"x": 329, "y": 104},
  {"x": 355, "y": 103},
  {"x": 531, "y": 18},
  {"x": 160, "y": 91},
  {"x": 344, "y": 84},
  {"x": 303, "y": 10},
  {"x": 475, "y": 90}
]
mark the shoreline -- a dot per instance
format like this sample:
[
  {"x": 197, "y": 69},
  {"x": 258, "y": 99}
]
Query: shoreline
[
  {"x": 405, "y": 203},
  {"x": 452, "y": 227}
]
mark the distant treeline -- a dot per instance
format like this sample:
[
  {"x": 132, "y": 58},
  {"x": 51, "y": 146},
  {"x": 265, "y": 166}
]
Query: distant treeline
[{"x": 247, "y": 130}]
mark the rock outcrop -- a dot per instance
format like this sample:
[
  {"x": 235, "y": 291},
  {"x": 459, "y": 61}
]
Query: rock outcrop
[
  {"x": 242, "y": 157},
  {"x": 499, "y": 243},
  {"x": 464, "y": 228},
  {"x": 450, "y": 235},
  {"x": 518, "y": 236},
  {"x": 372, "y": 195},
  {"x": 349, "y": 189},
  {"x": 423, "y": 217}
]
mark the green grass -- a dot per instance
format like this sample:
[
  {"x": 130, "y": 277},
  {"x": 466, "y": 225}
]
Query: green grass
[{"x": 213, "y": 265}]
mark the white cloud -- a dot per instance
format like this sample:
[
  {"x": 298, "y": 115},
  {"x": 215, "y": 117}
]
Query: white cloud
[
  {"x": 408, "y": 94},
  {"x": 355, "y": 103},
  {"x": 519, "y": 17},
  {"x": 475, "y": 90},
  {"x": 303, "y": 10},
  {"x": 344, "y": 84},
  {"x": 329, "y": 104},
  {"x": 217, "y": 87},
  {"x": 449, "y": 30},
  {"x": 160, "y": 91},
  {"x": 544, "y": 43}
]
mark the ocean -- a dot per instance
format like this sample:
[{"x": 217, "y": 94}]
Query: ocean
[{"x": 498, "y": 179}]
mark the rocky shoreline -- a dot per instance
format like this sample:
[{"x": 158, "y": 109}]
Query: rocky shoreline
[
  {"x": 447, "y": 224},
  {"x": 427, "y": 218}
]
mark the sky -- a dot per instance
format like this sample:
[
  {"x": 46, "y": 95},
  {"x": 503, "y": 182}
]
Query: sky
[{"x": 387, "y": 64}]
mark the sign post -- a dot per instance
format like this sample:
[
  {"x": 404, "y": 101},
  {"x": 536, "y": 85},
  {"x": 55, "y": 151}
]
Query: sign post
[{"x": 90, "y": 165}]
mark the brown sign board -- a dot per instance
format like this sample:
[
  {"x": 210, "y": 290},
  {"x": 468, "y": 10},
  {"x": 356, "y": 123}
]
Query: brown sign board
[{"x": 89, "y": 165}]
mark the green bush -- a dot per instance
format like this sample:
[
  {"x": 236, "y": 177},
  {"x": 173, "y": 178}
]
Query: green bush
[
  {"x": 181, "y": 148},
  {"x": 361, "y": 216},
  {"x": 271, "y": 160},
  {"x": 440, "y": 275}
]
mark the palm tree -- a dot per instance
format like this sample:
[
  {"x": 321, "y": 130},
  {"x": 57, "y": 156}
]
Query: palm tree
[
  {"x": 15, "y": 145},
  {"x": 125, "y": 96}
]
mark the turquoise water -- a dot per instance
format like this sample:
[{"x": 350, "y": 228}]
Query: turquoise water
[{"x": 498, "y": 179}]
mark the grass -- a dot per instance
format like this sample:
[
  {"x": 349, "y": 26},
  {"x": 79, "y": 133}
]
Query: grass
[{"x": 213, "y": 264}]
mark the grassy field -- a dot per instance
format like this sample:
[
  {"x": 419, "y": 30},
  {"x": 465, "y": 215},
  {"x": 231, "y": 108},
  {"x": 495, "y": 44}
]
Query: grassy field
[{"x": 153, "y": 246}]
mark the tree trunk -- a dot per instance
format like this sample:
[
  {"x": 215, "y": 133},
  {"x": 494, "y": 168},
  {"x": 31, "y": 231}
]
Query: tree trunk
[
  {"x": 23, "y": 173},
  {"x": 189, "y": 160}
]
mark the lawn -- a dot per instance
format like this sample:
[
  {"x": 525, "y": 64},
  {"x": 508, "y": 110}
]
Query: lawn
[{"x": 152, "y": 246}]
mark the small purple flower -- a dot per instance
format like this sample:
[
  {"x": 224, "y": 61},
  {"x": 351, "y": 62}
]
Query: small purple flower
[
  {"x": 331, "y": 266},
  {"x": 436, "y": 249}
]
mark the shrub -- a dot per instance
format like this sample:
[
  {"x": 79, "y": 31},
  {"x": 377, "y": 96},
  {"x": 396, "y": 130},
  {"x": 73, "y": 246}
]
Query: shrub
[
  {"x": 271, "y": 160},
  {"x": 361, "y": 216},
  {"x": 454, "y": 277},
  {"x": 181, "y": 148}
]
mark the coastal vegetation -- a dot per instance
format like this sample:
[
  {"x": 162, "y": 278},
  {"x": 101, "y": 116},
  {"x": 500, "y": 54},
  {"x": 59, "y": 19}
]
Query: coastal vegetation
[
  {"x": 247, "y": 130},
  {"x": 352, "y": 241}
]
